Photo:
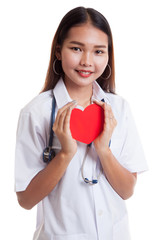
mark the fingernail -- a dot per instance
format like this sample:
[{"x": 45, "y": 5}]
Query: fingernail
[
  {"x": 74, "y": 101},
  {"x": 95, "y": 100}
]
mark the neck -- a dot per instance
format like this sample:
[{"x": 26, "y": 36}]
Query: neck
[{"x": 82, "y": 95}]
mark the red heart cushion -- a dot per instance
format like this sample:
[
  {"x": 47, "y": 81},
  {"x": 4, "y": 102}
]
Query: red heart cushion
[{"x": 86, "y": 125}]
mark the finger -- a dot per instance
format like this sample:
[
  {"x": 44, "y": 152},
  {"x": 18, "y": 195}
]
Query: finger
[
  {"x": 66, "y": 125},
  {"x": 67, "y": 118},
  {"x": 63, "y": 114},
  {"x": 60, "y": 111},
  {"x": 105, "y": 114},
  {"x": 61, "y": 120},
  {"x": 105, "y": 106},
  {"x": 109, "y": 112},
  {"x": 108, "y": 117},
  {"x": 100, "y": 103}
]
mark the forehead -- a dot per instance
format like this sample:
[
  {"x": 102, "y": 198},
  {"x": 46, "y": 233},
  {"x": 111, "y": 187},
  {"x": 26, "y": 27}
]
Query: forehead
[{"x": 87, "y": 34}]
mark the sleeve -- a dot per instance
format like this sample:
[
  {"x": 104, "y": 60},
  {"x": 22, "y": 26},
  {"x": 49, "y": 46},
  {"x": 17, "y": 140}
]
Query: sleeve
[
  {"x": 132, "y": 155},
  {"x": 28, "y": 152}
]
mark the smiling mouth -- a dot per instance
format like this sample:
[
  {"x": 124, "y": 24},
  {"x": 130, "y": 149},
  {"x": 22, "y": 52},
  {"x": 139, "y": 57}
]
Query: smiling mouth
[{"x": 84, "y": 73}]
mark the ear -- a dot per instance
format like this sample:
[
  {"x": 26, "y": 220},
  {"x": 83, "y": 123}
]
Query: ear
[{"x": 58, "y": 52}]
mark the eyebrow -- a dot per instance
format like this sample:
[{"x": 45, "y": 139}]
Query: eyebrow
[{"x": 81, "y": 44}]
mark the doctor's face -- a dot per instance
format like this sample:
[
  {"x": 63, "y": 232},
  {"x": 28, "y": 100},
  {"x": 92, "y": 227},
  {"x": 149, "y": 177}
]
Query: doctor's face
[{"x": 84, "y": 55}]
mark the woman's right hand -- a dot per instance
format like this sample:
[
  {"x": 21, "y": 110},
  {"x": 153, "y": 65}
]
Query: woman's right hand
[
  {"x": 46, "y": 180},
  {"x": 61, "y": 127}
]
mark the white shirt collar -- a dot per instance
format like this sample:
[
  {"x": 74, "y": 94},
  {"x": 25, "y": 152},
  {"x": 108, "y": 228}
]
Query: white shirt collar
[
  {"x": 62, "y": 96},
  {"x": 98, "y": 93}
]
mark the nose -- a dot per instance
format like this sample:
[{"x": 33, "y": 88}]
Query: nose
[{"x": 86, "y": 60}]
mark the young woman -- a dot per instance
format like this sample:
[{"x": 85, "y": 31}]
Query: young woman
[{"x": 80, "y": 193}]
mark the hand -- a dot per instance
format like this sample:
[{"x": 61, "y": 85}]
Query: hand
[
  {"x": 61, "y": 127},
  {"x": 102, "y": 141}
]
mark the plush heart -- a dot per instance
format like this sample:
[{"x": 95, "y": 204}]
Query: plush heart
[{"x": 88, "y": 124}]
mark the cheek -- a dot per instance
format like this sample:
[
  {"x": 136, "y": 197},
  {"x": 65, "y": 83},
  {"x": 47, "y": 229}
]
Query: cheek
[
  {"x": 102, "y": 64},
  {"x": 69, "y": 60}
]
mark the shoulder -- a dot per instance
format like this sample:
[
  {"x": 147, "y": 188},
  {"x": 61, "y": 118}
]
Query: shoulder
[
  {"x": 121, "y": 108},
  {"x": 39, "y": 104},
  {"x": 118, "y": 103}
]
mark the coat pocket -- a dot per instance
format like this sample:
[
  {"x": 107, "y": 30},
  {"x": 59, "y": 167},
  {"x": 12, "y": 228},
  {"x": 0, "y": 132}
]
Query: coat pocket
[{"x": 121, "y": 229}]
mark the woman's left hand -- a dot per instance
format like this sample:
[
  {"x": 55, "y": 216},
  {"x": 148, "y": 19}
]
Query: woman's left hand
[{"x": 101, "y": 143}]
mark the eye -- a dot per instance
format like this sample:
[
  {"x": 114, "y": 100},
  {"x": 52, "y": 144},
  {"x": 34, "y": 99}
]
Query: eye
[
  {"x": 76, "y": 49},
  {"x": 99, "y": 52}
]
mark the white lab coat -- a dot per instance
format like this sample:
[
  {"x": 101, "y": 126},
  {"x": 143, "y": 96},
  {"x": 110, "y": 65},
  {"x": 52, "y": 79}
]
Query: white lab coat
[{"x": 75, "y": 210}]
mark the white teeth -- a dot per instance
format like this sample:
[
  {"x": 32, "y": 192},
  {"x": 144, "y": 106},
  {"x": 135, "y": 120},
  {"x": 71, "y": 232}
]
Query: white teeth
[{"x": 85, "y": 72}]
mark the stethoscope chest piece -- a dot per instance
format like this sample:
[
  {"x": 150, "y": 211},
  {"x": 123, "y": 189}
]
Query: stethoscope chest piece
[{"x": 48, "y": 154}]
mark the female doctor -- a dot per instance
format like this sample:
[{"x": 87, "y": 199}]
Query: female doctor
[{"x": 80, "y": 193}]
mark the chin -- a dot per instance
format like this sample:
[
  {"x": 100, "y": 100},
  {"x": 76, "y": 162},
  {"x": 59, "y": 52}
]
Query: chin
[
  {"x": 84, "y": 83},
  {"x": 79, "y": 81}
]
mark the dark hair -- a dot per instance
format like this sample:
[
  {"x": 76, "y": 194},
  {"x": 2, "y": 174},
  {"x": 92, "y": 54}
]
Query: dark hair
[{"x": 78, "y": 16}]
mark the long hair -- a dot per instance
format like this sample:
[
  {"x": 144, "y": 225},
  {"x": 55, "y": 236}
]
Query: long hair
[{"x": 78, "y": 16}]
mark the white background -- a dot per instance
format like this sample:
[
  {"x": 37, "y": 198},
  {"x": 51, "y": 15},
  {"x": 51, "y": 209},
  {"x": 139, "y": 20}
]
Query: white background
[{"x": 27, "y": 28}]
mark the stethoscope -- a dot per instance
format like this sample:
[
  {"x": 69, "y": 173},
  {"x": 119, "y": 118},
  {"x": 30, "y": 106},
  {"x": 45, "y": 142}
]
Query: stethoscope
[{"x": 49, "y": 152}]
